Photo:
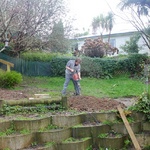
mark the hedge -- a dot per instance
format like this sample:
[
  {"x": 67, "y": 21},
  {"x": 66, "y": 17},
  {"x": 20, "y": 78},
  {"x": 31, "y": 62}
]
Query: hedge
[{"x": 90, "y": 67}]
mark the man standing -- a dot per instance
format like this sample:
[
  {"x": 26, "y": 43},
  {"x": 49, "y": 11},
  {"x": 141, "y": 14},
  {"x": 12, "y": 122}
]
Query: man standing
[{"x": 72, "y": 67}]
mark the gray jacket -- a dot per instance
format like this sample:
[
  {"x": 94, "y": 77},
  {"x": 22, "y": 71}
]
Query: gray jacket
[{"x": 71, "y": 64}]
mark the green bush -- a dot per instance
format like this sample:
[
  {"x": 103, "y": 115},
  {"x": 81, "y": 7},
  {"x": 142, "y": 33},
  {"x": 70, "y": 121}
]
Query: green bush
[
  {"x": 102, "y": 67},
  {"x": 143, "y": 105},
  {"x": 58, "y": 66},
  {"x": 98, "y": 68},
  {"x": 39, "y": 56},
  {"x": 135, "y": 63},
  {"x": 1, "y": 71},
  {"x": 10, "y": 79},
  {"x": 90, "y": 67},
  {"x": 131, "y": 46}
]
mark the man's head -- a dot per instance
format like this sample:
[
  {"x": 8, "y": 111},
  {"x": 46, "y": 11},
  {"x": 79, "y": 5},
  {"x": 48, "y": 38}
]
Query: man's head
[{"x": 77, "y": 61}]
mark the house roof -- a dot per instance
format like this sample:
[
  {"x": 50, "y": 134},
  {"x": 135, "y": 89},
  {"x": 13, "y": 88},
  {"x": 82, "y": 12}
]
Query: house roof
[{"x": 106, "y": 35}]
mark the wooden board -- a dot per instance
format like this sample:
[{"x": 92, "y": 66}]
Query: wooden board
[
  {"x": 129, "y": 129},
  {"x": 6, "y": 63}
]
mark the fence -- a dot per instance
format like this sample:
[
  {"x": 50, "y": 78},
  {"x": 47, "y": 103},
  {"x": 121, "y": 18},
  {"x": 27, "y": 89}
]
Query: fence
[{"x": 28, "y": 68}]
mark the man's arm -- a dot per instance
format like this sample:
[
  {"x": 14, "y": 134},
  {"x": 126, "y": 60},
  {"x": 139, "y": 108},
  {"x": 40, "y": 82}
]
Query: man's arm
[
  {"x": 69, "y": 69},
  {"x": 79, "y": 74}
]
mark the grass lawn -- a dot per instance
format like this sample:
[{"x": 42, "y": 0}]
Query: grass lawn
[{"x": 120, "y": 86}]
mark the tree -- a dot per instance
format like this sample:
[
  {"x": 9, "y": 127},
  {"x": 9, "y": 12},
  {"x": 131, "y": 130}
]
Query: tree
[
  {"x": 98, "y": 24},
  {"x": 95, "y": 24},
  {"x": 102, "y": 24},
  {"x": 22, "y": 21},
  {"x": 139, "y": 16},
  {"x": 84, "y": 33},
  {"x": 131, "y": 46},
  {"x": 57, "y": 41},
  {"x": 109, "y": 24}
]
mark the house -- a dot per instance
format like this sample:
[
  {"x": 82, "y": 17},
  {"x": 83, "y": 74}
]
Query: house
[{"x": 116, "y": 40}]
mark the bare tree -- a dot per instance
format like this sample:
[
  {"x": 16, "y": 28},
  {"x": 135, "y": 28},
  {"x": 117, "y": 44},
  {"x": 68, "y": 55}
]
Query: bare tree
[{"x": 21, "y": 21}]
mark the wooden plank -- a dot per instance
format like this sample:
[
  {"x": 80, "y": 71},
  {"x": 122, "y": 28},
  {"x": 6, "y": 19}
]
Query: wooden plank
[
  {"x": 6, "y": 63},
  {"x": 129, "y": 129},
  {"x": 8, "y": 68},
  {"x": 42, "y": 96}
]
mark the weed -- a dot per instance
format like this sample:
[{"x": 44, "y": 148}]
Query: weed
[
  {"x": 9, "y": 131},
  {"x": 107, "y": 122},
  {"x": 49, "y": 127},
  {"x": 90, "y": 148},
  {"x": 111, "y": 133},
  {"x": 143, "y": 105},
  {"x": 147, "y": 147},
  {"x": 39, "y": 108},
  {"x": 34, "y": 144},
  {"x": 49, "y": 144},
  {"x": 127, "y": 143},
  {"x": 24, "y": 131},
  {"x": 103, "y": 135}
]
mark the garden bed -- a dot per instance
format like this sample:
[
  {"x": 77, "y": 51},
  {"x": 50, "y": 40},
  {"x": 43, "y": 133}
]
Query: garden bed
[{"x": 79, "y": 103}]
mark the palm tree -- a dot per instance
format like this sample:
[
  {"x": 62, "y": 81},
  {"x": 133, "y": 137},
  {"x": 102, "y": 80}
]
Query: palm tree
[
  {"x": 109, "y": 23},
  {"x": 102, "y": 24},
  {"x": 96, "y": 24},
  {"x": 99, "y": 23}
]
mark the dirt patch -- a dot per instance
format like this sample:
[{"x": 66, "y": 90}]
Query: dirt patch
[
  {"x": 79, "y": 103},
  {"x": 13, "y": 95},
  {"x": 90, "y": 103}
]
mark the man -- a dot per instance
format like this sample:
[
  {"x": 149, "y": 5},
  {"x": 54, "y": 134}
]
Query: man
[{"x": 72, "y": 67}]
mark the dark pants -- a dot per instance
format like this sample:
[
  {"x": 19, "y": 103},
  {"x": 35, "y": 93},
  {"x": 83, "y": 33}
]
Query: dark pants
[{"x": 76, "y": 84}]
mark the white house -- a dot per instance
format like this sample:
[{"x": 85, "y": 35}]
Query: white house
[{"x": 116, "y": 40}]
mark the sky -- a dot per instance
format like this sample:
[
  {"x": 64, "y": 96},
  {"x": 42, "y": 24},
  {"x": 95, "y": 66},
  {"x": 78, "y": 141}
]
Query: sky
[{"x": 85, "y": 10}]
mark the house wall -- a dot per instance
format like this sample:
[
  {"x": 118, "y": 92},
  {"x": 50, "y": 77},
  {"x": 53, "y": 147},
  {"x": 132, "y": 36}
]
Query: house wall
[{"x": 144, "y": 48}]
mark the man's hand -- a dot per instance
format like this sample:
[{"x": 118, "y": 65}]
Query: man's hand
[{"x": 71, "y": 70}]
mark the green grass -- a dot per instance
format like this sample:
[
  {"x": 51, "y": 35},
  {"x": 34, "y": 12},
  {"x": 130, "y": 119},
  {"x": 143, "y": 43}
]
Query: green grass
[{"x": 121, "y": 86}]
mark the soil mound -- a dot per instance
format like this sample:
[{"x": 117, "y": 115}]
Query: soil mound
[{"x": 90, "y": 103}]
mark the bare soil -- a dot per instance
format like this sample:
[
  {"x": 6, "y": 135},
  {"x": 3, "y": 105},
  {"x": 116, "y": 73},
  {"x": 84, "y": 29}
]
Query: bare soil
[
  {"x": 79, "y": 103},
  {"x": 90, "y": 103},
  {"x": 6, "y": 94}
]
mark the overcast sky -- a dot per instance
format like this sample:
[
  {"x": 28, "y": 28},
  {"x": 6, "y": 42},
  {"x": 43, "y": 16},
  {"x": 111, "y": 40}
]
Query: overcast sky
[{"x": 85, "y": 10}]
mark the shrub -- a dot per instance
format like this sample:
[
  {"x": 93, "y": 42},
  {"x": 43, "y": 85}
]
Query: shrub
[
  {"x": 97, "y": 48},
  {"x": 135, "y": 63},
  {"x": 1, "y": 71},
  {"x": 39, "y": 56},
  {"x": 143, "y": 105},
  {"x": 10, "y": 79},
  {"x": 131, "y": 46},
  {"x": 98, "y": 68},
  {"x": 58, "y": 66}
]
